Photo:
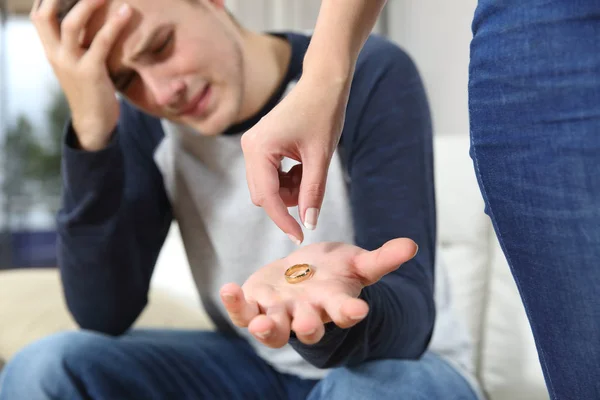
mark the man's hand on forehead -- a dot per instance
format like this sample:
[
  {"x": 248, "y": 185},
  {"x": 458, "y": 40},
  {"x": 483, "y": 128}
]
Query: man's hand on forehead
[
  {"x": 82, "y": 72},
  {"x": 64, "y": 7}
]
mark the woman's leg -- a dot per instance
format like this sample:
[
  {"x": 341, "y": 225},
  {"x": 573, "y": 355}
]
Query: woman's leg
[{"x": 535, "y": 128}]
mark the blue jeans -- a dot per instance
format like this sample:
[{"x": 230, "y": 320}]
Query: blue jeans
[
  {"x": 534, "y": 99},
  {"x": 155, "y": 364}
]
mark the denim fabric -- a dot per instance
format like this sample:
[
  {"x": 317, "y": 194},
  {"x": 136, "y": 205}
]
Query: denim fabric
[
  {"x": 535, "y": 141},
  {"x": 152, "y": 364}
]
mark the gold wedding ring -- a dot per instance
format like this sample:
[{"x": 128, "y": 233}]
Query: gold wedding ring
[{"x": 298, "y": 273}]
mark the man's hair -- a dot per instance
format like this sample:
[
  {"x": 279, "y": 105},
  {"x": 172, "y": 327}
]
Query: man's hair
[{"x": 66, "y": 5}]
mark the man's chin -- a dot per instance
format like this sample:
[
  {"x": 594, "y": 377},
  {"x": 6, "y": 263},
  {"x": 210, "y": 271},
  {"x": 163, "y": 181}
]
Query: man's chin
[
  {"x": 208, "y": 127},
  {"x": 214, "y": 123}
]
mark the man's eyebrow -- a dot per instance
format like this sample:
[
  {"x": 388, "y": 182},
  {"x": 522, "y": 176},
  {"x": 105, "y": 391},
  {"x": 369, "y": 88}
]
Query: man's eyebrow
[
  {"x": 141, "y": 49},
  {"x": 148, "y": 41}
]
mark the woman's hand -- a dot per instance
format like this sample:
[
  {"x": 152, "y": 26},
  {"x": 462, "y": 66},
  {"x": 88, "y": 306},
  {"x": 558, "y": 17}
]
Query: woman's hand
[
  {"x": 271, "y": 307},
  {"x": 305, "y": 130}
]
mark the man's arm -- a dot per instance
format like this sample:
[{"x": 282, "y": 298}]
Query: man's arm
[
  {"x": 389, "y": 161},
  {"x": 112, "y": 225}
]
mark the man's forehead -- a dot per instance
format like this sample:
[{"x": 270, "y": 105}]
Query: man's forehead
[{"x": 129, "y": 34}]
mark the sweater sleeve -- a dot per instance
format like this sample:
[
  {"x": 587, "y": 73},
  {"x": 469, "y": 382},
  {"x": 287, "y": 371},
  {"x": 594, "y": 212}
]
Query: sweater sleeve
[
  {"x": 389, "y": 162},
  {"x": 113, "y": 222}
]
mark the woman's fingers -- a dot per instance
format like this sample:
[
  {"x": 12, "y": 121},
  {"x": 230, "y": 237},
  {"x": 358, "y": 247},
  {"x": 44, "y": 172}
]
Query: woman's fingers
[{"x": 262, "y": 174}]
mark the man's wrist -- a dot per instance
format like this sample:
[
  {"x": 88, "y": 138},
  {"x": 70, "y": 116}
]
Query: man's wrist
[
  {"x": 73, "y": 141},
  {"x": 90, "y": 145}
]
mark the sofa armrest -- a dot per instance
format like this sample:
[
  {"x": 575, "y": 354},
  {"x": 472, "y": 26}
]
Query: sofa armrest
[{"x": 32, "y": 306}]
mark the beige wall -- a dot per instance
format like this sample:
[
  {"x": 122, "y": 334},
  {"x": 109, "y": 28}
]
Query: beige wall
[
  {"x": 277, "y": 14},
  {"x": 436, "y": 33},
  {"x": 19, "y": 6}
]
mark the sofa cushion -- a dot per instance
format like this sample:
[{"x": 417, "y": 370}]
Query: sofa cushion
[
  {"x": 510, "y": 366},
  {"x": 482, "y": 285},
  {"x": 463, "y": 233}
]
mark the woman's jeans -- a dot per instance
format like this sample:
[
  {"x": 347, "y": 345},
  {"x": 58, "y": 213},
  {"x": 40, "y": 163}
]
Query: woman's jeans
[{"x": 535, "y": 132}]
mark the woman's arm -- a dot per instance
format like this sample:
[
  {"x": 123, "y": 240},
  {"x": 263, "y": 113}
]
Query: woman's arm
[
  {"x": 307, "y": 124},
  {"x": 340, "y": 33}
]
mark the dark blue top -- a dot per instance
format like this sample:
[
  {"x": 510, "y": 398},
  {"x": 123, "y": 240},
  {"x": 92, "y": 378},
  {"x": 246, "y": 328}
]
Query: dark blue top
[{"x": 116, "y": 213}]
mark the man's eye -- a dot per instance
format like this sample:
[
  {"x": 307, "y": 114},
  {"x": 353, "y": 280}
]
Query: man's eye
[
  {"x": 163, "y": 45},
  {"x": 125, "y": 82}
]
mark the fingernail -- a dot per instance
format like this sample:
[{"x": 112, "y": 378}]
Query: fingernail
[
  {"x": 310, "y": 219},
  {"x": 310, "y": 333},
  {"x": 263, "y": 335},
  {"x": 358, "y": 318},
  {"x": 124, "y": 10},
  {"x": 416, "y": 251},
  {"x": 229, "y": 298},
  {"x": 295, "y": 239}
]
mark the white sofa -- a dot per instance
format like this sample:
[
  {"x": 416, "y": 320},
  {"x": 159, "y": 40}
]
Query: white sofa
[
  {"x": 31, "y": 303},
  {"x": 484, "y": 291}
]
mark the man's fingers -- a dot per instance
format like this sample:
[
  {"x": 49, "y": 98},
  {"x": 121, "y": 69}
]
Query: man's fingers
[
  {"x": 344, "y": 310},
  {"x": 108, "y": 34},
  {"x": 307, "y": 323},
  {"x": 44, "y": 18},
  {"x": 272, "y": 329},
  {"x": 240, "y": 311},
  {"x": 264, "y": 185},
  {"x": 312, "y": 188},
  {"x": 371, "y": 266},
  {"x": 76, "y": 20},
  {"x": 262, "y": 327}
]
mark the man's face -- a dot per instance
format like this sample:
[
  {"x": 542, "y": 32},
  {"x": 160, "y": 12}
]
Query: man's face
[{"x": 179, "y": 60}]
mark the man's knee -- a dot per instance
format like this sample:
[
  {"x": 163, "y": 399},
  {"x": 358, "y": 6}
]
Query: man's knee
[
  {"x": 48, "y": 368},
  {"x": 424, "y": 379}
]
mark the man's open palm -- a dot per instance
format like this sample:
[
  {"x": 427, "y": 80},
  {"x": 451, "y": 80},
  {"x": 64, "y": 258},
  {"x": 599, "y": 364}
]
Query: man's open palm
[{"x": 271, "y": 307}]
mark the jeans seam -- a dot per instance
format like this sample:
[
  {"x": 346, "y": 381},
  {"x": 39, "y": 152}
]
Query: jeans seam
[{"x": 508, "y": 259}]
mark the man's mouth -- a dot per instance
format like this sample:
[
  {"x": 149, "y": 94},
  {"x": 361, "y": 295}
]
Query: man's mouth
[{"x": 197, "y": 106}]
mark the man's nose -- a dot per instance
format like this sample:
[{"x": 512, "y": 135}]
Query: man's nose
[{"x": 167, "y": 92}]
